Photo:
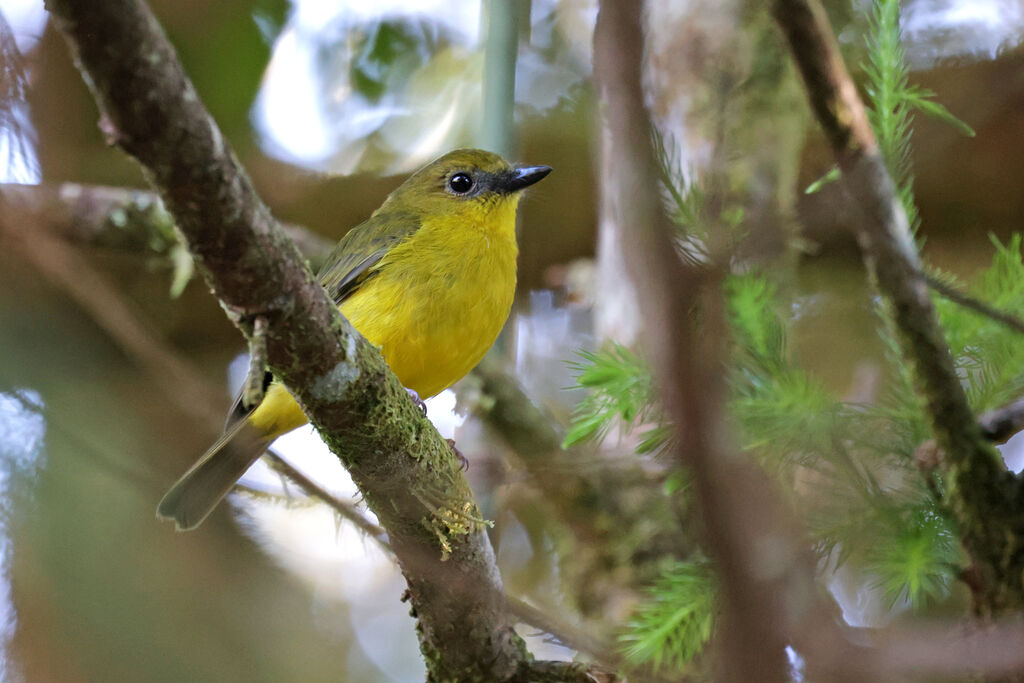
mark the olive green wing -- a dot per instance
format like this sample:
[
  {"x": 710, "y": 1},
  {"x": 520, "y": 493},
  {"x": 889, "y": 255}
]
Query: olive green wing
[
  {"x": 349, "y": 265},
  {"x": 357, "y": 254}
]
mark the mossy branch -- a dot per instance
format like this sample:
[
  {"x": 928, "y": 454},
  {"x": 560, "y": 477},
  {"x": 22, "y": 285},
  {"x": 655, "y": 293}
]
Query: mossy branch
[
  {"x": 150, "y": 109},
  {"x": 122, "y": 218}
]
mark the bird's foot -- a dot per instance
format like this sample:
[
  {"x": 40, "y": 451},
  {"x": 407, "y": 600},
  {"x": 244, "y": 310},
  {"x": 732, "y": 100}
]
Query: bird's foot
[
  {"x": 258, "y": 379},
  {"x": 463, "y": 462},
  {"x": 417, "y": 400}
]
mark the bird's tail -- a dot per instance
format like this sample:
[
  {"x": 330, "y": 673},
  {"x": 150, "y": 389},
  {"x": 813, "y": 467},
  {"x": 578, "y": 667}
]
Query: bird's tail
[{"x": 196, "y": 494}]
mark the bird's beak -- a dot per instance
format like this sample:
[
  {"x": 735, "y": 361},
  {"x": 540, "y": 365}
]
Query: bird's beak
[{"x": 524, "y": 176}]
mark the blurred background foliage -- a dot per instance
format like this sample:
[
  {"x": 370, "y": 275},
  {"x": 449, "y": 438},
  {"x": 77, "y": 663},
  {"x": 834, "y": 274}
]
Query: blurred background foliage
[{"x": 329, "y": 105}]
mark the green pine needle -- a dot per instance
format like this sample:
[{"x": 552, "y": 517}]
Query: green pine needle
[
  {"x": 917, "y": 560},
  {"x": 890, "y": 112},
  {"x": 920, "y": 99},
  {"x": 619, "y": 391},
  {"x": 672, "y": 627},
  {"x": 685, "y": 202},
  {"x": 987, "y": 352}
]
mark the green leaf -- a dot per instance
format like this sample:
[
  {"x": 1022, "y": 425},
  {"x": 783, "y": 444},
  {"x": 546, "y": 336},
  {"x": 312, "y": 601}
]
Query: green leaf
[
  {"x": 677, "y": 481},
  {"x": 830, "y": 177},
  {"x": 183, "y": 267}
]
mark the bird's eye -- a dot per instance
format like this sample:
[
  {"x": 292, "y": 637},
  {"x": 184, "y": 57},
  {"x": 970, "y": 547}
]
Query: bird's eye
[{"x": 460, "y": 183}]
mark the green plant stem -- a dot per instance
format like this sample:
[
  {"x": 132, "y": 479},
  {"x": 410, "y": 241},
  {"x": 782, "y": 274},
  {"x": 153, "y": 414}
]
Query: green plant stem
[{"x": 500, "y": 53}]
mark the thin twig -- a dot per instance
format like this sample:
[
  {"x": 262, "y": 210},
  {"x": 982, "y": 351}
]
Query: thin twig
[
  {"x": 343, "y": 508},
  {"x": 568, "y": 635},
  {"x": 977, "y": 305}
]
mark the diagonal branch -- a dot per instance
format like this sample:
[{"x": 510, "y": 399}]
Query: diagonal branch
[
  {"x": 404, "y": 469},
  {"x": 117, "y": 217},
  {"x": 961, "y": 298},
  {"x": 980, "y": 493}
]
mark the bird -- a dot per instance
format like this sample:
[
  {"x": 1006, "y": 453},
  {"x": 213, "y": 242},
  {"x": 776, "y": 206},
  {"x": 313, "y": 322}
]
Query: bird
[{"x": 429, "y": 278}]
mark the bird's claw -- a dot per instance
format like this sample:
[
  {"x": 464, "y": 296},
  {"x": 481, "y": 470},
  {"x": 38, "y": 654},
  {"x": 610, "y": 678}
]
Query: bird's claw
[
  {"x": 463, "y": 461},
  {"x": 417, "y": 400}
]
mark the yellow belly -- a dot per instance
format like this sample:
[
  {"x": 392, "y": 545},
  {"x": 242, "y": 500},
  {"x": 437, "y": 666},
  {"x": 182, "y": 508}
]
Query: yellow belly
[{"x": 433, "y": 323}]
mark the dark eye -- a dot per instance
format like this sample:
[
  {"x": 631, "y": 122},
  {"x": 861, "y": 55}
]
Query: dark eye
[{"x": 460, "y": 183}]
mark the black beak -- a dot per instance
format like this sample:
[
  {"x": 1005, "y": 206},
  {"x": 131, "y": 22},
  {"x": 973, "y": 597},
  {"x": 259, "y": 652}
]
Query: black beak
[{"x": 524, "y": 176}]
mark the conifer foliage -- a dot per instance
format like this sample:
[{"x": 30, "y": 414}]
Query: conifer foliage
[{"x": 854, "y": 468}]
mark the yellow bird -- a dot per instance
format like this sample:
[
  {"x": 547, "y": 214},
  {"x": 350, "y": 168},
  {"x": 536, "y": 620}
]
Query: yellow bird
[{"x": 429, "y": 278}]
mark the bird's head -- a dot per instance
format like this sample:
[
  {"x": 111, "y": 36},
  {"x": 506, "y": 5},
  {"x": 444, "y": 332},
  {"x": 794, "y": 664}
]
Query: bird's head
[{"x": 465, "y": 182}]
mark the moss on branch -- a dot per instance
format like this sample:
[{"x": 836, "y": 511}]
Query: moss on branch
[{"x": 150, "y": 109}]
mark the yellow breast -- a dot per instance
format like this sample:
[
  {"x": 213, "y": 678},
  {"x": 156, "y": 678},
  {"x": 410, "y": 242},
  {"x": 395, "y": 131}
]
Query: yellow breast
[{"x": 439, "y": 300}]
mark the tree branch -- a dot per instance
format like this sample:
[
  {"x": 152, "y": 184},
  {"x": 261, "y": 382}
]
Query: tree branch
[
  {"x": 1002, "y": 423},
  {"x": 981, "y": 495},
  {"x": 117, "y": 217},
  {"x": 770, "y": 596},
  {"x": 344, "y": 509},
  {"x": 961, "y": 298},
  {"x": 404, "y": 469}
]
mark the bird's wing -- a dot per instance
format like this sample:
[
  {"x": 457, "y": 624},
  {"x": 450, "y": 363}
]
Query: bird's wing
[
  {"x": 361, "y": 249},
  {"x": 348, "y": 266}
]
